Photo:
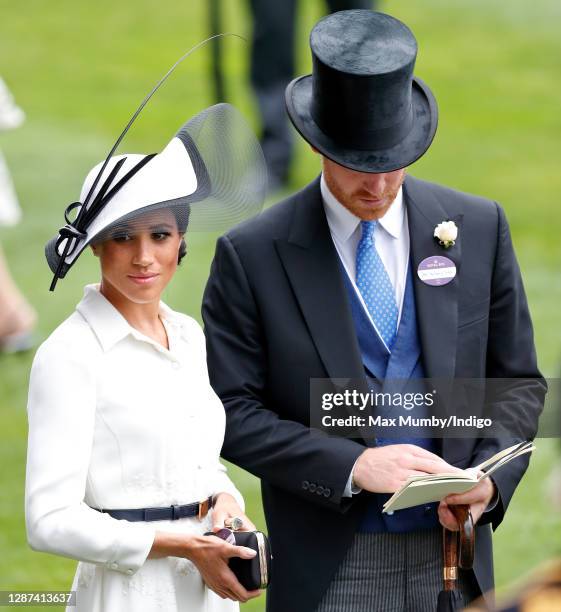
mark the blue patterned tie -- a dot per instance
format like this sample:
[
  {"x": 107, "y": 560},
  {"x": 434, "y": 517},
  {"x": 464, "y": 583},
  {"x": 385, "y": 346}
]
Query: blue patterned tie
[{"x": 375, "y": 286}]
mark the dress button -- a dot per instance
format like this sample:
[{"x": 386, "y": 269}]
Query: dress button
[
  {"x": 114, "y": 566},
  {"x": 129, "y": 572},
  {"x": 305, "y": 485},
  {"x": 313, "y": 487},
  {"x": 327, "y": 492}
]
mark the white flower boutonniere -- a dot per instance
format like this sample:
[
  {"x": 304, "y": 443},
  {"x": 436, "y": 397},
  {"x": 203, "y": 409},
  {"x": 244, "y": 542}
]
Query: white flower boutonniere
[{"x": 446, "y": 233}]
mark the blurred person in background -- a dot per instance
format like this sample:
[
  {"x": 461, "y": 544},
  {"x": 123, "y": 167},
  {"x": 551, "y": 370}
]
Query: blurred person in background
[
  {"x": 125, "y": 431},
  {"x": 272, "y": 68},
  {"x": 17, "y": 317}
]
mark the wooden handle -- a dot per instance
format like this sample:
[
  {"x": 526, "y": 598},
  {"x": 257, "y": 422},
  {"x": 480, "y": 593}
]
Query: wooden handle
[
  {"x": 458, "y": 556},
  {"x": 467, "y": 535},
  {"x": 450, "y": 552}
]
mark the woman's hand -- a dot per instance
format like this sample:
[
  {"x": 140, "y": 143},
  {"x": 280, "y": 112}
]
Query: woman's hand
[
  {"x": 225, "y": 509},
  {"x": 210, "y": 555}
]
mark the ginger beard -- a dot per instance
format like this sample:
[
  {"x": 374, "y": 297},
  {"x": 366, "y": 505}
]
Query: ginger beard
[{"x": 366, "y": 195}]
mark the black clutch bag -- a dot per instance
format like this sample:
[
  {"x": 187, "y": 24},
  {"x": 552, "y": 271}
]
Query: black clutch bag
[{"x": 252, "y": 573}]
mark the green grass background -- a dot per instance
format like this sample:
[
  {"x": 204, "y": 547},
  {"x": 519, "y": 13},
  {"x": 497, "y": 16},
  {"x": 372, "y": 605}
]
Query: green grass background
[{"x": 80, "y": 68}]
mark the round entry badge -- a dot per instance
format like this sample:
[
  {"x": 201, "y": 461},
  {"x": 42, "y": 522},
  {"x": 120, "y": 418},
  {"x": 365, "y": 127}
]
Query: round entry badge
[{"x": 436, "y": 270}]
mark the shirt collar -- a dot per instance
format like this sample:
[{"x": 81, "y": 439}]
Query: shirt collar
[
  {"x": 343, "y": 223},
  {"x": 109, "y": 325}
]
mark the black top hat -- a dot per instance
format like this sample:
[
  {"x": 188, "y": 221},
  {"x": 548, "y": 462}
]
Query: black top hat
[{"x": 361, "y": 106}]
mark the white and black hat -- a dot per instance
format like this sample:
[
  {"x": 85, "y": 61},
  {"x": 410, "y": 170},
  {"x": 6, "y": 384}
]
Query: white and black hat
[{"x": 211, "y": 175}]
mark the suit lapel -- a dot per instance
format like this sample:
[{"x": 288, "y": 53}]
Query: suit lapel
[
  {"x": 311, "y": 264},
  {"x": 437, "y": 307}
]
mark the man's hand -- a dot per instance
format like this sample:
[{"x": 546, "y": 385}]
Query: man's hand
[
  {"x": 477, "y": 499},
  {"x": 226, "y": 508},
  {"x": 386, "y": 468}
]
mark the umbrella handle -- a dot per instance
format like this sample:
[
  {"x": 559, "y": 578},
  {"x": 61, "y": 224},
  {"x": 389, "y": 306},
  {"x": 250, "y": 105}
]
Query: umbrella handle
[
  {"x": 467, "y": 535},
  {"x": 450, "y": 551},
  {"x": 458, "y": 547}
]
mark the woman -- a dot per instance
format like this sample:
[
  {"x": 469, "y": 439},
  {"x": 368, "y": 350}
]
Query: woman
[{"x": 125, "y": 432}]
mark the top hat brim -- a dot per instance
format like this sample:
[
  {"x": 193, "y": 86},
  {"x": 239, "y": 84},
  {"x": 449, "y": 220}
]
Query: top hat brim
[{"x": 298, "y": 99}]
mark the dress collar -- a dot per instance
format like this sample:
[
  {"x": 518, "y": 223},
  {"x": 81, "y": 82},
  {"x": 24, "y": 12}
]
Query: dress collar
[
  {"x": 343, "y": 223},
  {"x": 109, "y": 325}
]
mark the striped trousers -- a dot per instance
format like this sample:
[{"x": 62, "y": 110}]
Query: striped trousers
[{"x": 392, "y": 572}]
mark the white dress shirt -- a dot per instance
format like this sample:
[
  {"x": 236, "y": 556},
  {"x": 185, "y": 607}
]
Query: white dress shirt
[
  {"x": 392, "y": 243},
  {"x": 391, "y": 238},
  {"x": 118, "y": 421}
]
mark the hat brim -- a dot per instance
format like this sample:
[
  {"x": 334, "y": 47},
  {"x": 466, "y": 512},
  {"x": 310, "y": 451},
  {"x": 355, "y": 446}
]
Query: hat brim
[
  {"x": 298, "y": 97},
  {"x": 213, "y": 171},
  {"x": 180, "y": 207}
]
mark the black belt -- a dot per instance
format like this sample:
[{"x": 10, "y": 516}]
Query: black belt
[{"x": 169, "y": 513}]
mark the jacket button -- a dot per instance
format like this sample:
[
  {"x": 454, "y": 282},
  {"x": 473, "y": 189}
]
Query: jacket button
[
  {"x": 313, "y": 487},
  {"x": 327, "y": 492},
  {"x": 305, "y": 485},
  {"x": 114, "y": 566},
  {"x": 129, "y": 572},
  {"x": 320, "y": 490}
]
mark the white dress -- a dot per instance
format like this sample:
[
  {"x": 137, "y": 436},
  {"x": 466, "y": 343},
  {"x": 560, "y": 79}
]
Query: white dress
[{"x": 118, "y": 421}]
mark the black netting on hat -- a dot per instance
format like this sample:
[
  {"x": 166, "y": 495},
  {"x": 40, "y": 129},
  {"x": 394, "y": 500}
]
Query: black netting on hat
[
  {"x": 234, "y": 165},
  {"x": 231, "y": 176},
  {"x": 153, "y": 219}
]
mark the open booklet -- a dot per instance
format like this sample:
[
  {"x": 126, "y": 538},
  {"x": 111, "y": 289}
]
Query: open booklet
[{"x": 435, "y": 487}]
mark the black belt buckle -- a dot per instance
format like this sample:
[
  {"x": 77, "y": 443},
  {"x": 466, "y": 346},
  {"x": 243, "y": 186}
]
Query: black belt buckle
[{"x": 175, "y": 515}]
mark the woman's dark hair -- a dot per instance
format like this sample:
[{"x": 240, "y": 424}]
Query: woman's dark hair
[
  {"x": 182, "y": 251},
  {"x": 182, "y": 219}
]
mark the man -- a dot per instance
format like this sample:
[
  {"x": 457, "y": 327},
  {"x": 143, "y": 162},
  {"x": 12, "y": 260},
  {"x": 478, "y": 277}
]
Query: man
[{"x": 326, "y": 284}]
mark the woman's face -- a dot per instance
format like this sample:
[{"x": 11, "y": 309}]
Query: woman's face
[{"x": 139, "y": 260}]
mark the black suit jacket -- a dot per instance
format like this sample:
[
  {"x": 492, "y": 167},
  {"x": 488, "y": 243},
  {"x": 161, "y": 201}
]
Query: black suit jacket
[{"x": 276, "y": 314}]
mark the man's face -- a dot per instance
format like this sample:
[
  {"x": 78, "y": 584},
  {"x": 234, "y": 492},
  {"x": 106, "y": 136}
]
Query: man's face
[{"x": 368, "y": 196}]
